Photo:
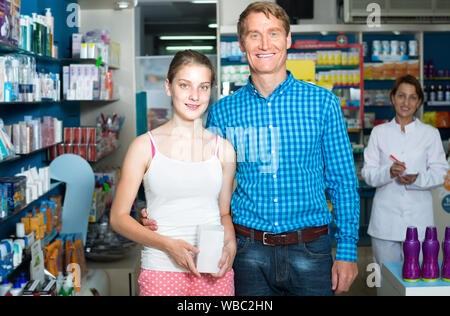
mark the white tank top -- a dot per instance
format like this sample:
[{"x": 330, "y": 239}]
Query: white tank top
[{"x": 180, "y": 196}]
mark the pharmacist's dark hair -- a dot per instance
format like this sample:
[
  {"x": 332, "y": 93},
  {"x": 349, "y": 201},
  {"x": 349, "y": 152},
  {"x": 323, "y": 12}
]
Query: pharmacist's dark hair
[
  {"x": 190, "y": 57},
  {"x": 268, "y": 8},
  {"x": 409, "y": 80}
]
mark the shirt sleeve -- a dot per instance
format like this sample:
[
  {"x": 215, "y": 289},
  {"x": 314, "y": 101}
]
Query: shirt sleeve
[
  {"x": 374, "y": 173},
  {"x": 341, "y": 181},
  {"x": 213, "y": 124},
  {"x": 436, "y": 169}
]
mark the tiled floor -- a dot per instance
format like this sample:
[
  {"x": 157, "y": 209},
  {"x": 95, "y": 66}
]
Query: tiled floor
[{"x": 359, "y": 287}]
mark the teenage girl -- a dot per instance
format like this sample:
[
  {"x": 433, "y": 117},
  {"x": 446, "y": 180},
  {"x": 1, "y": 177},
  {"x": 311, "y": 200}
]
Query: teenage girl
[{"x": 188, "y": 175}]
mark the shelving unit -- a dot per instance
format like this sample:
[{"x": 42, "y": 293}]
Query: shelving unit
[{"x": 66, "y": 110}]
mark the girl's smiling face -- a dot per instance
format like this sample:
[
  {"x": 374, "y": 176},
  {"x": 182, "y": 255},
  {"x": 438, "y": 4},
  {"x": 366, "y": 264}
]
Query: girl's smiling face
[{"x": 190, "y": 91}]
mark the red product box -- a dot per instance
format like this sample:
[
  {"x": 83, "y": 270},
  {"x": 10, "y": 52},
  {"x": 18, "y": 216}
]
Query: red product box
[
  {"x": 68, "y": 135},
  {"x": 76, "y": 135},
  {"x": 68, "y": 149},
  {"x": 60, "y": 149},
  {"x": 84, "y": 151},
  {"x": 52, "y": 153},
  {"x": 92, "y": 135},
  {"x": 92, "y": 152},
  {"x": 84, "y": 135},
  {"x": 76, "y": 149}
]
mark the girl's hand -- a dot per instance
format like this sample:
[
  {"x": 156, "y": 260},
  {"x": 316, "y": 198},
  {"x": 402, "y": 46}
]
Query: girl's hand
[
  {"x": 226, "y": 262},
  {"x": 181, "y": 252}
]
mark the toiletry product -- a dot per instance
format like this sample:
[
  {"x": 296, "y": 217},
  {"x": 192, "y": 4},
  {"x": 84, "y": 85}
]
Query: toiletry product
[
  {"x": 49, "y": 288},
  {"x": 17, "y": 289},
  {"x": 68, "y": 288},
  {"x": 32, "y": 288},
  {"x": 446, "y": 256},
  {"x": 430, "y": 249},
  {"x": 49, "y": 19},
  {"x": 23, "y": 280},
  {"x": 411, "y": 250},
  {"x": 5, "y": 288}
]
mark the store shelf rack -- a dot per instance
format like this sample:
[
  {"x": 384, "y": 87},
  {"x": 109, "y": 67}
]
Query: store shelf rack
[{"x": 54, "y": 186}]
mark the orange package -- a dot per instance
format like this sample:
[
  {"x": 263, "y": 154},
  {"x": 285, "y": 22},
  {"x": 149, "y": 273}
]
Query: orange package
[{"x": 442, "y": 119}]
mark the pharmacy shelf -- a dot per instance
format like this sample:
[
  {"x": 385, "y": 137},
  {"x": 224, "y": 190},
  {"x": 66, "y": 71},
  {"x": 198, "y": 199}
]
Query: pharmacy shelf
[
  {"x": 53, "y": 186},
  {"x": 438, "y": 103},
  {"x": 8, "y": 49},
  {"x": 20, "y": 156},
  {"x": 38, "y": 150},
  {"x": 89, "y": 61},
  {"x": 104, "y": 155},
  {"x": 10, "y": 159},
  {"x": 337, "y": 67},
  {"x": 93, "y": 101},
  {"x": 45, "y": 101}
]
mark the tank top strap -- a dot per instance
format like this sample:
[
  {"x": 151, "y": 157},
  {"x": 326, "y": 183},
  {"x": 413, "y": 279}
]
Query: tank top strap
[
  {"x": 153, "y": 144},
  {"x": 217, "y": 146}
]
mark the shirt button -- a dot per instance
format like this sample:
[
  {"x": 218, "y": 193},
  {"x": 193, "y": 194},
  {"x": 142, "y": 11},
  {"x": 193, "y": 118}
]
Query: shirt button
[
  {"x": 274, "y": 176},
  {"x": 269, "y": 104},
  {"x": 275, "y": 200},
  {"x": 270, "y": 126},
  {"x": 273, "y": 151},
  {"x": 276, "y": 223}
]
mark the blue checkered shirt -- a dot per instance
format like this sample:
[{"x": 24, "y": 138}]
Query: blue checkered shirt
[{"x": 292, "y": 148}]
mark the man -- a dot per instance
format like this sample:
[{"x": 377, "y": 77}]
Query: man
[{"x": 292, "y": 147}]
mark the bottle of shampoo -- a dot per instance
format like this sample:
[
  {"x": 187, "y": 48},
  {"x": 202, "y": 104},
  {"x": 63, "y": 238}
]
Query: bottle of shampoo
[
  {"x": 430, "y": 248},
  {"x": 411, "y": 251},
  {"x": 446, "y": 260}
]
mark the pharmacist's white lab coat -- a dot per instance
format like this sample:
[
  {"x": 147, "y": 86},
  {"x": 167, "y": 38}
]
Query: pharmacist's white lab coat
[{"x": 397, "y": 206}]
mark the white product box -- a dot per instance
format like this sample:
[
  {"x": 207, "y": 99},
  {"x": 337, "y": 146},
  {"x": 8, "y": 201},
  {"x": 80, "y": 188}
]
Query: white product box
[{"x": 210, "y": 243}]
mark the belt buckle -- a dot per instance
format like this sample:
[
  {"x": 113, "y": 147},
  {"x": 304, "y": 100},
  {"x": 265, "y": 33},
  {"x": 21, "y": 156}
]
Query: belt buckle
[{"x": 264, "y": 238}]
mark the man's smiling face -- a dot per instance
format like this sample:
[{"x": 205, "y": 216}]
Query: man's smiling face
[{"x": 265, "y": 43}]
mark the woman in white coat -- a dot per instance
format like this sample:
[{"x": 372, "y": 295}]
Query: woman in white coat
[{"x": 404, "y": 160}]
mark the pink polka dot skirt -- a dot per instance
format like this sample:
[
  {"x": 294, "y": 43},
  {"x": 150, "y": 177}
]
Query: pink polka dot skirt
[{"x": 164, "y": 283}]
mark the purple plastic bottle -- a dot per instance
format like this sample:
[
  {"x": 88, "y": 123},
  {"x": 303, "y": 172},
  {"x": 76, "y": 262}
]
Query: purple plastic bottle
[
  {"x": 430, "y": 249},
  {"x": 411, "y": 251},
  {"x": 446, "y": 250}
]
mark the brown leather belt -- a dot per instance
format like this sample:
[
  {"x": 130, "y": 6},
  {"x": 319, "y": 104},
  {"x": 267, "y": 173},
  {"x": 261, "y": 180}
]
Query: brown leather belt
[{"x": 271, "y": 239}]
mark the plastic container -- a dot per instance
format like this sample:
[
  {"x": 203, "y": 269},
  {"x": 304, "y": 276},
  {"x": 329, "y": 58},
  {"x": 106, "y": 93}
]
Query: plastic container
[
  {"x": 411, "y": 251},
  {"x": 430, "y": 249},
  {"x": 446, "y": 258}
]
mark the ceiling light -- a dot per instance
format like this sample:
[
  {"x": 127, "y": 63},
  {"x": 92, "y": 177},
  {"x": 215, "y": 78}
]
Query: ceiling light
[
  {"x": 122, "y": 4},
  {"x": 204, "y": 1},
  {"x": 187, "y": 37},
  {"x": 212, "y": 25},
  {"x": 176, "y": 48}
]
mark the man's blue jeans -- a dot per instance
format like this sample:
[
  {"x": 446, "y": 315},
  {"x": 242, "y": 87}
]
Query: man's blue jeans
[{"x": 302, "y": 269}]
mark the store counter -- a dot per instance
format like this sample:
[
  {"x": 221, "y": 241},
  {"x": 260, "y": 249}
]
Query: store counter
[
  {"x": 392, "y": 283},
  {"x": 122, "y": 274}
]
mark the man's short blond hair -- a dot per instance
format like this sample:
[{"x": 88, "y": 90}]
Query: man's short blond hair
[{"x": 268, "y": 8}]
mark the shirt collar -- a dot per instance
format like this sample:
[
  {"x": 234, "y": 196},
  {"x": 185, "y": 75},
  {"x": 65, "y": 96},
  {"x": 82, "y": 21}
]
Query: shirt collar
[
  {"x": 408, "y": 128},
  {"x": 279, "y": 90}
]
